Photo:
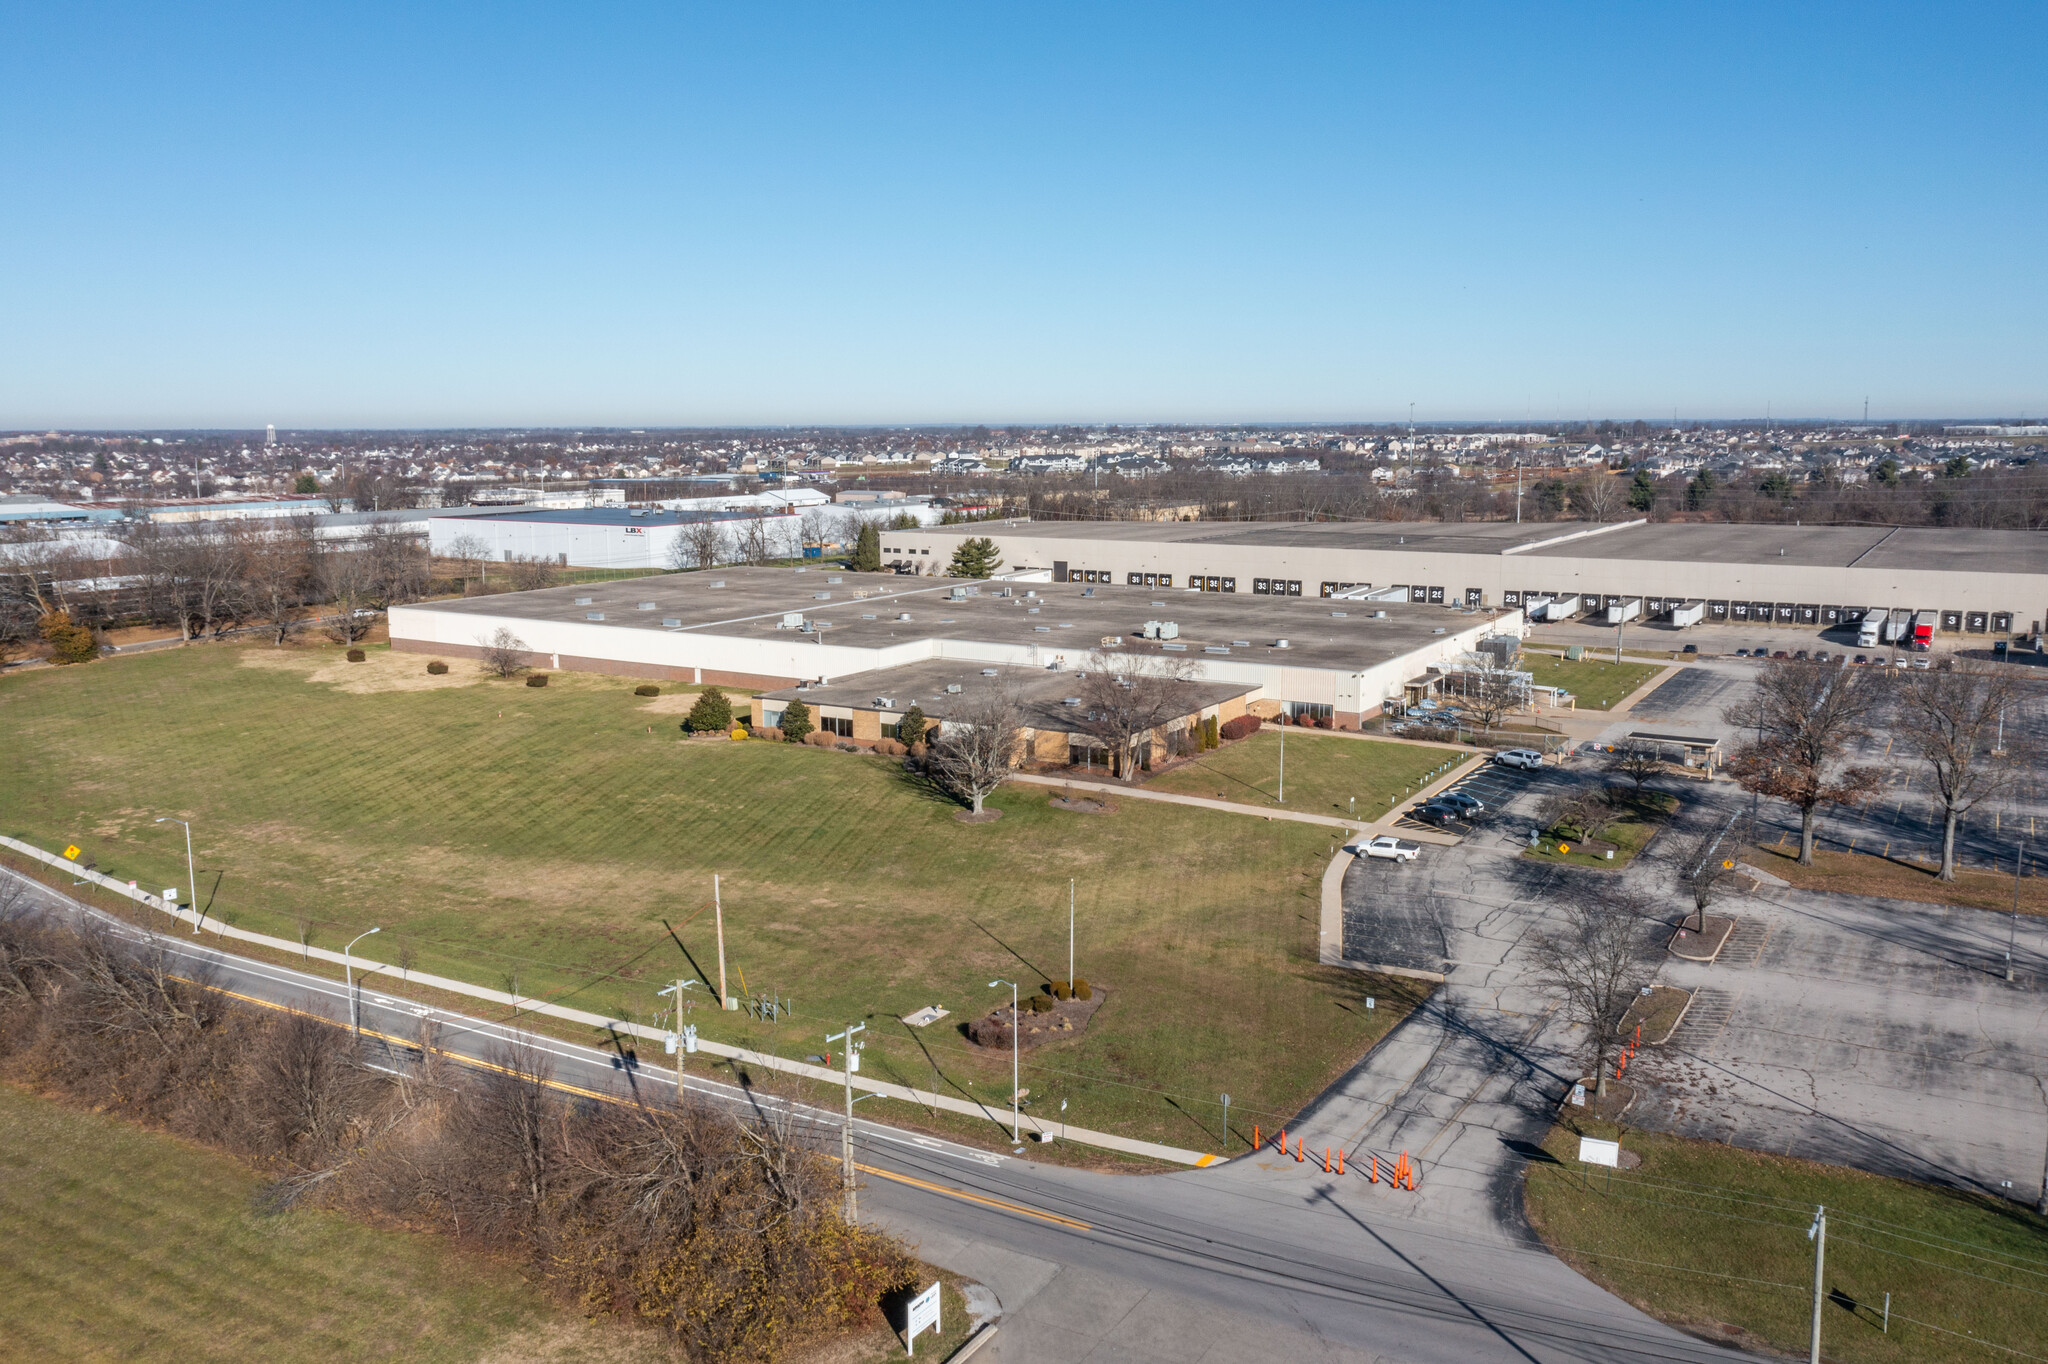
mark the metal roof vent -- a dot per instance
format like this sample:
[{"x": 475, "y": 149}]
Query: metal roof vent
[
  {"x": 645, "y": 606},
  {"x": 583, "y": 601},
  {"x": 1439, "y": 630},
  {"x": 1241, "y": 643},
  {"x": 716, "y": 582},
  {"x": 835, "y": 580},
  {"x": 868, "y": 615},
  {"x": 953, "y": 688},
  {"x": 1379, "y": 615},
  {"x": 1215, "y": 648},
  {"x": 673, "y": 622},
  {"x": 1282, "y": 644},
  {"x": 1341, "y": 614},
  {"x": 1177, "y": 648},
  {"x": 1070, "y": 700},
  {"x": 903, "y": 615},
  {"x": 1042, "y": 629},
  {"x": 988, "y": 672},
  {"x": 593, "y": 615}
]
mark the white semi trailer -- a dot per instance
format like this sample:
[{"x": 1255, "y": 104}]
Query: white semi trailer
[
  {"x": 1688, "y": 613},
  {"x": 1630, "y": 608}
]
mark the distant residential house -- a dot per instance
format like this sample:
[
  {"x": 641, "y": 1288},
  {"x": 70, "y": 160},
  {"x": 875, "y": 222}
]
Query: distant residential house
[{"x": 1049, "y": 464}]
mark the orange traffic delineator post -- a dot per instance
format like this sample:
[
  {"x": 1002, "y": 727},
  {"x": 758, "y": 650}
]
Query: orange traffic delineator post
[
  {"x": 1375, "y": 1159},
  {"x": 1255, "y": 1136},
  {"x": 1299, "y": 1143},
  {"x": 1326, "y": 1160},
  {"x": 1340, "y": 1160}
]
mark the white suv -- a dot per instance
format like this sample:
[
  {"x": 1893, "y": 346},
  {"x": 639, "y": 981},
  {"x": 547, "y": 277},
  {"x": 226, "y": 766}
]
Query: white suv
[
  {"x": 1525, "y": 758},
  {"x": 1388, "y": 846}
]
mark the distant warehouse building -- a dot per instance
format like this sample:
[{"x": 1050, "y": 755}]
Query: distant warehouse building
[
  {"x": 876, "y": 643},
  {"x": 1980, "y": 581},
  {"x": 762, "y": 525}
]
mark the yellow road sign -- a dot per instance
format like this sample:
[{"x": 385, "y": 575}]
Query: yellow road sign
[
  {"x": 1564, "y": 847},
  {"x": 72, "y": 852},
  {"x": 1728, "y": 864}
]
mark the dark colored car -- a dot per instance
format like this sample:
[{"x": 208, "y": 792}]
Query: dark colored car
[{"x": 1781, "y": 654}]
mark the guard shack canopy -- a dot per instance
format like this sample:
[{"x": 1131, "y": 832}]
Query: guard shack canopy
[{"x": 1689, "y": 749}]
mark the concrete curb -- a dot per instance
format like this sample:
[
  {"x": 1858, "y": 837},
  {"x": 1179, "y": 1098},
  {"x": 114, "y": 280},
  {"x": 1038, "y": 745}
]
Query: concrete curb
[
  {"x": 366, "y": 968},
  {"x": 1330, "y": 921},
  {"x": 973, "y": 1344}
]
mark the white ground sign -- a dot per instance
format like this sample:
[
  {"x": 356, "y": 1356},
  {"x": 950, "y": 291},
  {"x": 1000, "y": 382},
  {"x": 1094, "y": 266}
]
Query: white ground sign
[
  {"x": 1599, "y": 1152},
  {"x": 924, "y": 1311}
]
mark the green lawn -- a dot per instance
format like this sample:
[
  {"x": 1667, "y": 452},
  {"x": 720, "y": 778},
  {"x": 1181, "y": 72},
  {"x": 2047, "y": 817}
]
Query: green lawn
[
  {"x": 1596, "y": 685},
  {"x": 123, "y": 1244},
  {"x": 1323, "y": 773},
  {"x": 494, "y": 830},
  {"x": 1712, "y": 1237}
]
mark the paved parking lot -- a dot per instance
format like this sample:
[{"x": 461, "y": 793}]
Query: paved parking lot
[{"x": 1492, "y": 785}]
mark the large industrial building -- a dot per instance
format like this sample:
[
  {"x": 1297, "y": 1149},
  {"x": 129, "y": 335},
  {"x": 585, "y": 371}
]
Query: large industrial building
[
  {"x": 1980, "y": 581},
  {"x": 898, "y": 642}
]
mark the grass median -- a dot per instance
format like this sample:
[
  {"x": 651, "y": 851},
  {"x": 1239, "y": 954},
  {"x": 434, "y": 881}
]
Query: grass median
[
  {"x": 1713, "y": 1238},
  {"x": 1324, "y": 773},
  {"x": 539, "y": 839},
  {"x": 1593, "y": 684}
]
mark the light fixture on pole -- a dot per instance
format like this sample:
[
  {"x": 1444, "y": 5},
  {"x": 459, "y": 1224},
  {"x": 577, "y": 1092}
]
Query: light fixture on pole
[
  {"x": 1818, "y": 1234},
  {"x": 191, "y": 877},
  {"x": 846, "y": 1133},
  {"x": 1016, "y": 1098},
  {"x": 355, "y": 1013}
]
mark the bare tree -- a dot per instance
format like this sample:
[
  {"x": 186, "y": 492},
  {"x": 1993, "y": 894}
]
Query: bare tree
[
  {"x": 1708, "y": 866},
  {"x": 350, "y": 583},
  {"x": 1636, "y": 760},
  {"x": 501, "y": 652},
  {"x": 531, "y": 573},
  {"x": 754, "y": 540},
  {"x": 1128, "y": 700},
  {"x": 1491, "y": 694},
  {"x": 1801, "y": 719},
  {"x": 469, "y": 550},
  {"x": 977, "y": 745},
  {"x": 276, "y": 580},
  {"x": 698, "y": 546},
  {"x": 1599, "y": 497},
  {"x": 1951, "y": 719},
  {"x": 1596, "y": 957}
]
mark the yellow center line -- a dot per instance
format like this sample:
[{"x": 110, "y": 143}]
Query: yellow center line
[{"x": 1000, "y": 1205}]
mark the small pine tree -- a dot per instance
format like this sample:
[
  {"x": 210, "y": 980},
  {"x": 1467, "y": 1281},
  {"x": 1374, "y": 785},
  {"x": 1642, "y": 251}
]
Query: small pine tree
[
  {"x": 796, "y": 721},
  {"x": 1642, "y": 491},
  {"x": 712, "y": 714},
  {"x": 69, "y": 641},
  {"x": 910, "y": 729},
  {"x": 306, "y": 483},
  {"x": 867, "y": 549},
  {"x": 976, "y": 558}
]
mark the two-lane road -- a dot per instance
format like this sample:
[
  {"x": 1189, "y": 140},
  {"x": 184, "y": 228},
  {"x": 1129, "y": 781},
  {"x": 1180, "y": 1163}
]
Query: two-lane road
[{"x": 1234, "y": 1261}]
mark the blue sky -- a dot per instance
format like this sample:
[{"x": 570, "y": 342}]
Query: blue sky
[{"x": 661, "y": 214}]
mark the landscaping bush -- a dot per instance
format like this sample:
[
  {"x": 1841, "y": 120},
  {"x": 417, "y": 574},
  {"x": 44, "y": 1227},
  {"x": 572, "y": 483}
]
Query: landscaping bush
[
  {"x": 537, "y": 680},
  {"x": 848, "y": 746},
  {"x": 890, "y": 747},
  {"x": 767, "y": 732},
  {"x": 1038, "y": 1004},
  {"x": 796, "y": 721},
  {"x": 1082, "y": 990},
  {"x": 819, "y": 738},
  {"x": 437, "y": 668},
  {"x": 712, "y": 713},
  {"x": 647, "y": 689},
  {"x": 1061, "y": 990},
  {"x": 356, "y": 655},
  {"x": 918, "y": 750},
  {"x": 911, "y": 728},
  {"x": 1243, "y": 727}
]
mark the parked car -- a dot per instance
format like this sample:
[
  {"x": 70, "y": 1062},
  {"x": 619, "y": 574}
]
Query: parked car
[
  {"x": 1436, "y": 812},
  {"x": 1923, "y": 662},
  {"x": 1780, "y": 654},
  {"x": 1690, "y": 649},
  {"x": 1742, "y": 653},
  {"x": 1799, "y": 654},
  {"x": 1863, "y": 658},
  {"x": 1469, "y": 804},
  {"x": 1820, "y": 655},
  {"x": 1387, "y": 846},
  {"x": 1526, "y": 759}
]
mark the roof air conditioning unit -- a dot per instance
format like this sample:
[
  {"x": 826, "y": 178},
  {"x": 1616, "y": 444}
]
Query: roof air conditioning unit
[
  {"x": 1169, "y": 630},
  {"x": 821, "y": 596},
  {"x": 1042, "y": 629},
  {"x": 1070, "y": 700},
  {"x": 1439, "y": 630},
  {"x": 593, "y": 615},
  {"x": 1379, "y": 615},
  {"x": 835, "y": 580},
  {"x": 646, "y": 606},
  {"x": 886, "y": 703},
  {"x": 988, "y": 672},
  {"x": 792, "y": 620},
  {"x": 716, "y": 582},
  {"x": 1282, "y": 644},
  {"x": 1342, "y": 614},
  {"x": 583, "y": 601},
  {"x": 673, "y": 622}
]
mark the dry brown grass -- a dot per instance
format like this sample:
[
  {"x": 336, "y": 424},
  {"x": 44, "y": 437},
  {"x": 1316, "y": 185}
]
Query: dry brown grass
[{"x": 1855, "y": 873}]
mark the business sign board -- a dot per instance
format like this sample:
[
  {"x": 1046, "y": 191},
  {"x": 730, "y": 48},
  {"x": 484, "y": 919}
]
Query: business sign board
[
  {"x": 1595, "y": 1152},
  {"x": 924, "y": 1312}
]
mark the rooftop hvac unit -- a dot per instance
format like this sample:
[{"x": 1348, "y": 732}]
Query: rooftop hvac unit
[
  {"x": 645, "y": 606},
  {"x": 903, "y": 615},
  {"x": 593, "y": 615},
  {"x": 821, "y": 596},
  {"x": 1283, "y": 644},
  {"x": 1042, "y": 629},
  {"x": 1070, "y": 700},
  {"x": 673, "y": 622},
  {"x": 885, "y": 702},
  {"x": 1439, "y": 630},
  {"x": 988, "y": 672},
  {"x": 1342, "y": 614},
  {"x": 792, "y": 620},
  {"x": 716, "y": 582},
  {"x": 1112, "y": 641},
  {"x": 1030, "y": 594},
  {"x": 1215, "y": 648},
  {"x": 1241, "y": 643},
  {"x": 1177, "y": 648},
  {"x": 954, "y": 687},
  {"x": 958, "y": 594},
  {"x": 867, "y": 615},
  {"x": 1379, "y": 615},
  {"x": 835, "y": 580},
  {"x": 583, "y": 601}
]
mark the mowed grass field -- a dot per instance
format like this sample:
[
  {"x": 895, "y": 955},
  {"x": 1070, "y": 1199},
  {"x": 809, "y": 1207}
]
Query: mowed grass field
[
  {"x": 1324, "y": 773},
  {"x": 1594, "y": 684},
  {"x": 124, "y": 1244},
  {"x": 1713, "y": 1238},
  {"x": 496, "y": 831}
]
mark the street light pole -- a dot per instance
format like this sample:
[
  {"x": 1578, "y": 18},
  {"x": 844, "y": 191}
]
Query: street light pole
[
  {"x": 355, "y": 1013},
  {"x": 1283, "y": 752},
  {"x": 846, "y": 1133},
  {"x": 191, "y": 877},
  {"x": 1016, "y": 1027},
  {"x": 1070, "y": 932}
]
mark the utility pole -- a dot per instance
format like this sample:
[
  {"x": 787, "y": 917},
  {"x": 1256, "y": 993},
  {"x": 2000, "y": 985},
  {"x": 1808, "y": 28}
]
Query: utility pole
[
  {"x": 1518, "y": 492},
  {"x": 1283, "y": 752},
  {"x": 1818, "y": 1234},
  {"x": 846, "y": 1133},
  {"x": 191, "y": 877},
  {"x": 1070, "y": 933},
  {"x": 718, "y": 914}
]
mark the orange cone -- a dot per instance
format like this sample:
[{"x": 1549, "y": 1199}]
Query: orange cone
[
  {"x": 1374, "y": 1176},
  {"x": 1340, "y": 1160},
  {"x": 1326, "y": 1160}
]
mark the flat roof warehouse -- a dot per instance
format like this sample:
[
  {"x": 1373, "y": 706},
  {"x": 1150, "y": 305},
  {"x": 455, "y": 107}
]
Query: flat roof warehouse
[
  {"x": 1967, "y": 573},
  {"x": 771, "y": 628}
]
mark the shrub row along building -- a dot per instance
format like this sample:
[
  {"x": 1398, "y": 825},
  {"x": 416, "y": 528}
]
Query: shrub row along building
[
  {"x": 1979, "y": 581},
  {"x": 861, "y": 649}
]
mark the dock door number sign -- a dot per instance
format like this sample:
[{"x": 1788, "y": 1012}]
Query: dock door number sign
[{"x": 924, "y": 1312}]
